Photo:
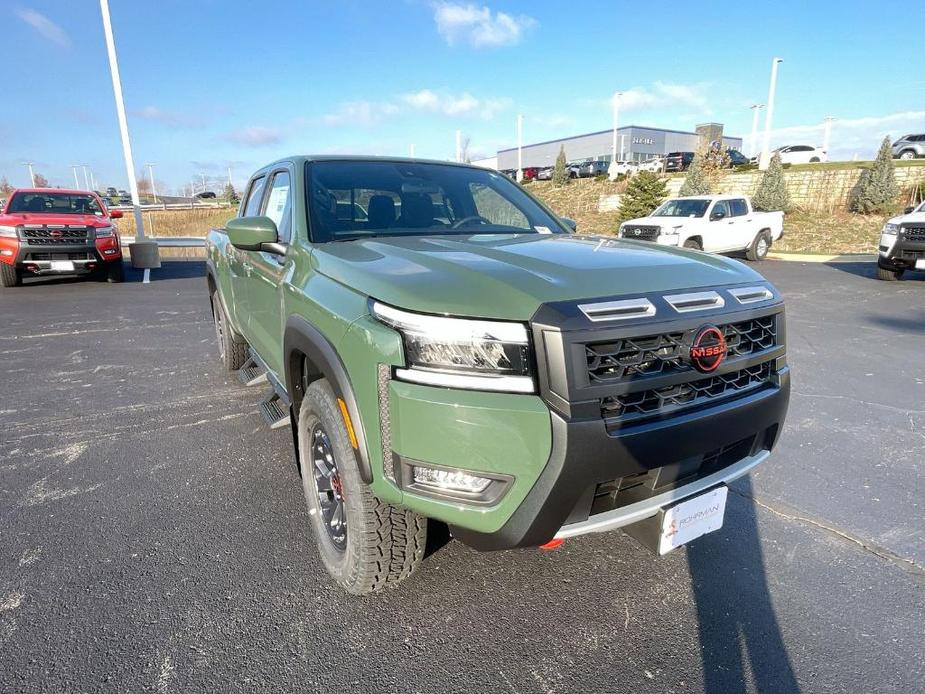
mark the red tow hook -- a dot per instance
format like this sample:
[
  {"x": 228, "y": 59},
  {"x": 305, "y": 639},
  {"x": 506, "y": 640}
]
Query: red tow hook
[{"x": 555, "y": 543}]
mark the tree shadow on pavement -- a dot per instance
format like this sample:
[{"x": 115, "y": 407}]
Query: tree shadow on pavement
[
  {"x": 740, "y": 639},
  {"x": 868, "y": 270}
]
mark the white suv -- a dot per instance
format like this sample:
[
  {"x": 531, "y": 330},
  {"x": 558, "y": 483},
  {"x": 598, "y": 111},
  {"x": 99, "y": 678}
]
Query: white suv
[{"x": 801, "y": 154}]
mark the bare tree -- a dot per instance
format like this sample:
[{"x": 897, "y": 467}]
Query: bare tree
[
  {"x": 464, "y": 150},
  {"x": 5, "y": 187},
  {"x": 41, "y": 181}
]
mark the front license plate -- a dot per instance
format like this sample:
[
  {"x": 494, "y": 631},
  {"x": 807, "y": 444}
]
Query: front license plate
[
  {"x": 62, "y": 265},
  {"x": 920, "y": 264},
  {"x": 692, "y": 518}
]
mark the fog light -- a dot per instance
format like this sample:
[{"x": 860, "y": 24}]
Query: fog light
[
  {"x": 109, "y": 251},
  {"x": 454, "y": 480},
  {"x": 6, "y": 252}
]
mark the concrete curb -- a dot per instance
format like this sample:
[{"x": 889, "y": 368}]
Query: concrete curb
[{"x": 824, "y": 258}]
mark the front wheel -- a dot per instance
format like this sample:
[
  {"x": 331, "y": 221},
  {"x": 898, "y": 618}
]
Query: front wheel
[
  {"x": 888, "y": 274},
  {"x": 760, "y": 246},
  {"x": 10, "y": 276},
  {"x": 908, "y": 154},
  {"x": 365, "y": 544},
  {"x": 693, "y": 244}
]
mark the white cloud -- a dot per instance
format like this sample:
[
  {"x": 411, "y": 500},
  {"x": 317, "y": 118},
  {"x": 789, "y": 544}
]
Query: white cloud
[
  {"x": 440, "y": 102},
  {"x": 170, "y": 118},
  {"x": 478, "y": 26},
  {"x": 45, "y": 27},
  {"x": 666, "y": 94},
  {"x": 255, "y": 136}
]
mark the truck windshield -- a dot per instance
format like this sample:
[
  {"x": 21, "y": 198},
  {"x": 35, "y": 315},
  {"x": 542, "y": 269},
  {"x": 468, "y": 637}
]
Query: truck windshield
[
  {"x": 682, "y": 208},
  {"x": 54, "y": 203},
  {"x": 349, "y": 200}
]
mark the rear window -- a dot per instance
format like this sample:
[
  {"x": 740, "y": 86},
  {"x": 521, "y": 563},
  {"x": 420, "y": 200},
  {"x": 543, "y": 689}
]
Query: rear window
[
  {"x": 348, "y": 200},
  {"x": 55, "y": 203}
]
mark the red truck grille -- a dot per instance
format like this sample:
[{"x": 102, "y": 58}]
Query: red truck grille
[{"x": 49, "y": 236}]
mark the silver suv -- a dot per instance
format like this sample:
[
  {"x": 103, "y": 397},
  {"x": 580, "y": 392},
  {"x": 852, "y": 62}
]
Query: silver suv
[{"x": 909, "y": 147}]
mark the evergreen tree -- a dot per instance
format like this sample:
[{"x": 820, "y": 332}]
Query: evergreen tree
[
  {"x": 877, "y": 189},
  {"x": 560, "y": 174},
  {"x": 697, "y": 182},
  {"x": 229, "y": 195},
  {"x": 645, "y": 191},
  {"x": 772, "y": 192}
]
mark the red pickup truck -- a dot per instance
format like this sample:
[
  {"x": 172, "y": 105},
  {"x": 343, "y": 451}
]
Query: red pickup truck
[{"x": 45, "y": 231}]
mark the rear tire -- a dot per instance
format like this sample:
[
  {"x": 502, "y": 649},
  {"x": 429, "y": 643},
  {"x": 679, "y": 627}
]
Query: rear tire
[
  {"x": 814, "y": 160},
  {"x": 10, "y": 276},
  {"x": 907, "y": 154},
  {"x": 232, "y": 348},
  {"x": 693, "y": 244},
  {"x": 365, "y": 544},
  {"x": 888, "y": 274},
  {"x": 758, "y": 251}
]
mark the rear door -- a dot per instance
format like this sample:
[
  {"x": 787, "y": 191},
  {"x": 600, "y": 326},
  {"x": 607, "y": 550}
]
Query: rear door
[{"x": 268, "y": 270}]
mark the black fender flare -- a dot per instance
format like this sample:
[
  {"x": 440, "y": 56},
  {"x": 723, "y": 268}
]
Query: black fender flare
[{"x": 302, "y": 339}]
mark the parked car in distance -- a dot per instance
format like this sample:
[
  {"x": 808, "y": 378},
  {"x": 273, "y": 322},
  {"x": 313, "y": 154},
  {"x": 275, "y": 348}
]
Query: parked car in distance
[
  {"x": 655, "y": 165},
  {"x": 461, "y": 356},
  {"x": 205, "y": 195},
  {"x": 678, "y": 161},
  {"x": 909, "y": 147},
  {"x": 590, "y": 169},
  {"x": 713, "y": 223},
  {"x": 902, "y": 244},
  {"x": 529, "y": 172},
  {"x": 736, "y": 158},
  {"x": 47, "y": 231},
  {"x": 111, "y": 192},
  {"x": 545, "y": 174},
  {"x": 621, "y": 168},
  {"x": 800, "y": 154}
]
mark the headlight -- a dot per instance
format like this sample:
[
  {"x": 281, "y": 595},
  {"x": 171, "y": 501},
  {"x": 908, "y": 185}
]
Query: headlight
[
  {"x": 891, "y": 229},
  {"x": 8, "y": 232},
  {"x": 461, "y": 352},
  {"x": 104, "y": 232}
]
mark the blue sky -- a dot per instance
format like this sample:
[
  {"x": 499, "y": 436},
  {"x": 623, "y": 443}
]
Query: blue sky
[{"x": 213, "y": 83}]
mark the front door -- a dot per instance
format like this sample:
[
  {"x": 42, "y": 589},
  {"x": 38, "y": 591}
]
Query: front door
[
  {"x": 265, "y": 299},
  {"x": 722, "y": 229}
]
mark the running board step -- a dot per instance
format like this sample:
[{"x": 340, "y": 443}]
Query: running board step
[
  {"x": 251, "y": 374},
  {"x": 274, "y": 413}
]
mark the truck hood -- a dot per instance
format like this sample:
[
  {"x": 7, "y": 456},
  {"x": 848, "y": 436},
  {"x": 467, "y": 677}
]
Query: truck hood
[
  {"x": 89, "y": 220},
  {"x": 509, "y": 277},
  {"x": 914, "y": 217}
]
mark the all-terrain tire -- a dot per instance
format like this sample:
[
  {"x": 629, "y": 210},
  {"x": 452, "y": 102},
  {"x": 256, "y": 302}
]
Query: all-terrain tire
[
  {"x": 693, "y": 244},
  {"x": 759, "y": 248},
  {"x": 888, "y": 274},
  {"x": 384, "y": 543},
  {"x": 115, "y": 272},
  {"x": 10, "y": 276},
  {"x": 232, "y": 348}
]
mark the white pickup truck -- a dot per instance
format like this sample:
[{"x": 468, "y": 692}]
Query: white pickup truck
[{"x": 714, "y": 223}]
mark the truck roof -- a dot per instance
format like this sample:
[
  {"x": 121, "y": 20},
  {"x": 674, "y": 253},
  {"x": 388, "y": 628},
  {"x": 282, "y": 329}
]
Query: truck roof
[
  {"x": 66, "y": 191},
  {"x": 724, "y": 196},
  {"x": 305, "y": 158}
]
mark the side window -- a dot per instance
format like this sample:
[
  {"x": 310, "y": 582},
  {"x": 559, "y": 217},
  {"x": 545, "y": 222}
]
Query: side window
[
  {"x": 252, "y": 206},
  {"x": 278, "y": 205},
  {"x": 739, "y": 208},
  {"x": 495, "y": 208},
  {"x": 721, "y": 206}
]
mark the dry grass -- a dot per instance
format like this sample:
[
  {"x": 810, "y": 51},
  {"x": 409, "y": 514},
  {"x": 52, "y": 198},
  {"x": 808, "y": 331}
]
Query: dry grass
[
  {"x": 834, "y": 232},
  {"x": 177, "y": 222},
  {"x": 579, "y": 201}
]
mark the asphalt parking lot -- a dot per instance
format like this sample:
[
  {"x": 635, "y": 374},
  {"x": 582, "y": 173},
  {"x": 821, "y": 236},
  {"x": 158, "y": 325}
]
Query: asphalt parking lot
[{"x": 153, "y": 534}]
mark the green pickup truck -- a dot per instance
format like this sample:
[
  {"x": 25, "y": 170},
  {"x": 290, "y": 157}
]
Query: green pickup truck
[{"x": 446, "y": 348}]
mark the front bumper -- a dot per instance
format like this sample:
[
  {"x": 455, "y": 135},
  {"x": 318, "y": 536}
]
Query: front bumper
[
  {"x": 900, "y": 253},
  {"x": 42, "y": 259}
]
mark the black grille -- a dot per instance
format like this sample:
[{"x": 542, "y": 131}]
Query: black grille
[
  {"x": 59, "y": 256},
  {"x": 645, "y": 403},
  {"x": 643, "y": 233},
  {"x": 48, "y": 237},
  {"x": 914, "y": 233},
  {"x": 654, "y": 354}
]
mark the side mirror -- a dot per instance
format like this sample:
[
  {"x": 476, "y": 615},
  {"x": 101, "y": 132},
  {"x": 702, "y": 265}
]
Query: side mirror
[
  {"x": 909, "y": 210},
  {"x": 115, "y": 214},
  {"x": 254, "y": 234},
  {"x": 719, "y": 214},
  {"x": 570, "y": 223}
]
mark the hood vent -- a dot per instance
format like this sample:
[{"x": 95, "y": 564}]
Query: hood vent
[{"x": 618, "y": 310}]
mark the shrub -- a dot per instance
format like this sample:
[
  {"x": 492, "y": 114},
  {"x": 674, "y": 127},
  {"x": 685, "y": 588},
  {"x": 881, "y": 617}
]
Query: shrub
[
  {"x": 645, "y": 191},
  {"x": 877, "y": 190},
  {"x": 229, "y": 195},
  {"x": 560, "y": 175},
  {"x": 772, "y": 192},
  {"x": 696, "y": 182}
]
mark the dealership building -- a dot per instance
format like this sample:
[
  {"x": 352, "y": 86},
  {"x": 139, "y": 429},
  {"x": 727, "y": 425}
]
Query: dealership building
[{"x": 634, "y": 143}]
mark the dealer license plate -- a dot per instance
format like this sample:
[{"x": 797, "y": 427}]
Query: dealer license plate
[
  {"x": 920, "y": 264},
  {"x": 62, "y": 266},
  {"x": 692, "y": 518}
]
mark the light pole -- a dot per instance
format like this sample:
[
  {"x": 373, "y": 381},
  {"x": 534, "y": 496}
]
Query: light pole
[
  {"x": 756, "y": 110},
  {"x": 151, "y": 180},
  {"x": 86, "y": 176},
  {"x": 411, "y": 150},
  {"x": 616, "y": 125},
  {"x": 769, "y": 116},
  {"x": 622, "y": 148},
  {"x": 28, "y": 164},
  {"x": 827, "y": 133},
  {"x": 144, "y": 255},
  {"x": 74, "y": 168},
  {"x": 458, "y": 146},
  {"x": 520, "y": 148}
]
